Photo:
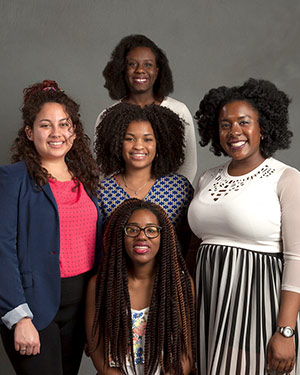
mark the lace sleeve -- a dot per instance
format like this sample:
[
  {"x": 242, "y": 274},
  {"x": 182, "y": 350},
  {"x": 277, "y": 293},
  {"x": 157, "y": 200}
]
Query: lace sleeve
[{"x": 289, "y": 195}]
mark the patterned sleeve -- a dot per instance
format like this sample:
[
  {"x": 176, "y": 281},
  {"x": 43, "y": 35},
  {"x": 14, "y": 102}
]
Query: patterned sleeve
[{"x": 289, "y": 195}]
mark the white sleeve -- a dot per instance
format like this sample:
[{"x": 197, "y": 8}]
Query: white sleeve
[
  {"x": 97, "y": 123},
  {"x": 189, "y": 167},
  {"x": 289, "y": 196},
  {"x": 13, "y": 316}
]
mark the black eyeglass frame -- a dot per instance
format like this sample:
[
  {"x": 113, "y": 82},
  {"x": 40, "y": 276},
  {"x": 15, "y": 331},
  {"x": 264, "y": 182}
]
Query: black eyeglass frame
[{"x": 142, "y": 229}]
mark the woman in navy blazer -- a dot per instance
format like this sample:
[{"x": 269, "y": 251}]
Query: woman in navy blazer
[{"x": 50, "y": 231}]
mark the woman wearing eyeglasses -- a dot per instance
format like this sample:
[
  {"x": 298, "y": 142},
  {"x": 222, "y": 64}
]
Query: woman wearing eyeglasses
[{"x": 140, "y": 313}]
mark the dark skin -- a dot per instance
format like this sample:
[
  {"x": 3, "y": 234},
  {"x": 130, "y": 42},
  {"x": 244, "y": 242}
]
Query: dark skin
[
  {"x": 141, "y": 252},
  {"x": 141, "y": 73},
  {"x": 240, "y": 137}
]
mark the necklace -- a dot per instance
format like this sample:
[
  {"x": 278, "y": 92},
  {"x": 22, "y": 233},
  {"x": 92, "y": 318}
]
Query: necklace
[{"x": 134, "y": 190}]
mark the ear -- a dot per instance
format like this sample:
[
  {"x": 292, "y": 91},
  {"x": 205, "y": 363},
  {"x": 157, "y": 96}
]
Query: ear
[
  {"x": 29, "y": 133},
  {"x": 74, "y": 133}
]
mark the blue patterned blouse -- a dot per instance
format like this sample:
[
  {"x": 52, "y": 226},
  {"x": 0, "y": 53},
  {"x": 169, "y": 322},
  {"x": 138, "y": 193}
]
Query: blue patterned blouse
[{"x": 172, "y": 192}]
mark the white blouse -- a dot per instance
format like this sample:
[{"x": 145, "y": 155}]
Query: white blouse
[{"x": 258, "y": 211}]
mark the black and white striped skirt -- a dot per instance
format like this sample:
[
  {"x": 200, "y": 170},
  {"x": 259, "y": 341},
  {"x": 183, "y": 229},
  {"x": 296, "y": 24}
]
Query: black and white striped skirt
[{"x": 238, "y": 293}]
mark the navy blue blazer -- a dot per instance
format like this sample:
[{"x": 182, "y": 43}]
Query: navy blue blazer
[{"x": 30, "y": 245}]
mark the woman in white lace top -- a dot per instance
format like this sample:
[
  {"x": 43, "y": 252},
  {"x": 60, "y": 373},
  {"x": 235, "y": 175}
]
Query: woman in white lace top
[{"x": 246, "y": 213}]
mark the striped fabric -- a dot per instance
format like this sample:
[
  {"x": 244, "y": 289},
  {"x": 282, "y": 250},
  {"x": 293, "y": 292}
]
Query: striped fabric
[{"x": 238, "y": 295}]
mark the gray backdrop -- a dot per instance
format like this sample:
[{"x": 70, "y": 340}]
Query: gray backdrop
[{"x": 209, "y": 43}]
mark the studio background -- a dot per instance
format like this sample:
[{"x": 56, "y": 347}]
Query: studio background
[{"x": 209, "y": 43}]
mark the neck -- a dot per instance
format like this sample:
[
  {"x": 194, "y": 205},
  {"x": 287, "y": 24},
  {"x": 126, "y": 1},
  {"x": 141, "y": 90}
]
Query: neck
[
  {"x": 57, "y": 169},
  {"x": 241, "y": 167},
  {"x": 141, "y": 272},
  {"x": 137, "y": 176},
  {"x": 142, "y": 99}
]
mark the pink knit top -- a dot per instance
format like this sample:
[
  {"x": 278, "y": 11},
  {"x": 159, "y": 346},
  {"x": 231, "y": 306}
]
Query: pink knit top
[{"x": 77, "y": 223}]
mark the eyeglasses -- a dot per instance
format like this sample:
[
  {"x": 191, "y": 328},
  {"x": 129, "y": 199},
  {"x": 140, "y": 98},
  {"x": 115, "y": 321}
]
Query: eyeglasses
[{"x": 151, "y": 231}]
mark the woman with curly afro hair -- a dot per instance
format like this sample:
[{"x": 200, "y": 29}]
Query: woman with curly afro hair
[
  {"x": 139, "y": 73},
  {"x": 46, "y": 195},
  {"x": 140, "y": 149},
  {"x": 246, "y": 212},
  {"x": 140, "y": 315}
]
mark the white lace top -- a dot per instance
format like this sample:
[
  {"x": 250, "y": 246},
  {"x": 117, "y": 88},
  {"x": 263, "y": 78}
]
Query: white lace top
[{"x": 258, "y": 211}]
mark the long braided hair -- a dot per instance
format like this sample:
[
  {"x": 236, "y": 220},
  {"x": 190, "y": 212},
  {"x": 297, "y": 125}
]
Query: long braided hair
[{"x": 171, "y": 320}]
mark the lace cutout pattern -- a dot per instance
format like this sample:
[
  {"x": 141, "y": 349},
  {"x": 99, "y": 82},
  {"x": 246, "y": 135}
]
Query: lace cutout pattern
[{"x": 223, "y": 186}]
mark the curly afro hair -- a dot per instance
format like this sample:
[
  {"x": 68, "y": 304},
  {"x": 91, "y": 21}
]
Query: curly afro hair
[
  {"x": 79, "y": 158},
  {"x": 168, "y": 130},
  {"x": 270, "y": 103},
  {"x": 114, "y": 72}
]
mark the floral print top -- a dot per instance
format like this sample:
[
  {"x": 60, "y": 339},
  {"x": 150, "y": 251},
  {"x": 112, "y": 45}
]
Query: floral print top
[{"x": 139, "y": 322}]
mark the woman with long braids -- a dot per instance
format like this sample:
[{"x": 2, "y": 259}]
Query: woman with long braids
[
  {"x": 50, "y": 230},
  {"x": 140, "y": 308},
  {"x": 139, "y": 73},
  {"x": 140, "y": 150}
]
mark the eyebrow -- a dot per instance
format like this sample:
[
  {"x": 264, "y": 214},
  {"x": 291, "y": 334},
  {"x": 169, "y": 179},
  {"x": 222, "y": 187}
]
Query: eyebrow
[
  {"x": 143, "y": 60},
  {"x": 138, "y": 224},
  {"x": 63, "y": 119},
  {"x": 239, "y": 118},
  {"x": 143, "y": 134}
]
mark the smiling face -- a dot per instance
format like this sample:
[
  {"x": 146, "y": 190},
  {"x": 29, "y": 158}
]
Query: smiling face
[
  {"x": 240, "y": 133},
  {"x": 141, "y": 70},
  {"x": 52, "y": 133},
  {"x": 139, "y": 145},
  {"x": 141, "y": 249}
]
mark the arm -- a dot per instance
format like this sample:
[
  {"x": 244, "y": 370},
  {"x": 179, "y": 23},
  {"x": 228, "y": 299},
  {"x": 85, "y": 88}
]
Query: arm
[
  {"x": 96, "y": 353},
  {"x": 281, "y": 350},
  {"x": 189, "y": 168},
  {"x": 183, "y": 229},
  {"x": 188, "y": 362},
  {"x": 13, "y": 307}
]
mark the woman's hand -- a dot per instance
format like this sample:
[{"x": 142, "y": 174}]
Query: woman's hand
[
  {"x": 27, "y": 339},
  {"x": 281, "y": 354}
]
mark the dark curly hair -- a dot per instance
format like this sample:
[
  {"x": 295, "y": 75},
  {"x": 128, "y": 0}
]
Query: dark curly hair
[
  {"x": 168, "y": 130},
  {"x": 170, "y": 329},
  {"x": 114, "y": 72},
  {"x": 270, "y": 103},
  {"x": 79, "y": 159}
]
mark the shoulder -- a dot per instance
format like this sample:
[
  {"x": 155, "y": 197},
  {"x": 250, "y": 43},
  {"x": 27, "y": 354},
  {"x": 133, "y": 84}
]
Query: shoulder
[
  {"x": 178, "y": 107},
  {"x": 287, "y": 175},
  {"x": 214, "y": 171},
  {"x": 178, "y": 182},
  {"x": 108, "y": 183},
  {"x": 210, "y": 174},
  {"x": 16, "y": 170},
  {"x": 279, "y": 166},
  {"x": 102, "y": 113},
  {"x": 172, "y": 103},
  {"x": 175, "y": 177}
]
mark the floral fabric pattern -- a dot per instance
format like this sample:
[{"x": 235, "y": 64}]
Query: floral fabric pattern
[{"x": 139, "y": 322}]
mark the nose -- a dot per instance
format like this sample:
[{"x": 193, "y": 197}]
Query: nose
[
  {"x": 139, "y": 145},
  {"x": 142, "y": 234},
  {"x": 236, "y": 129},
  {"x": 55, "y": 131},
  {"x": 140, "y": 68}
]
